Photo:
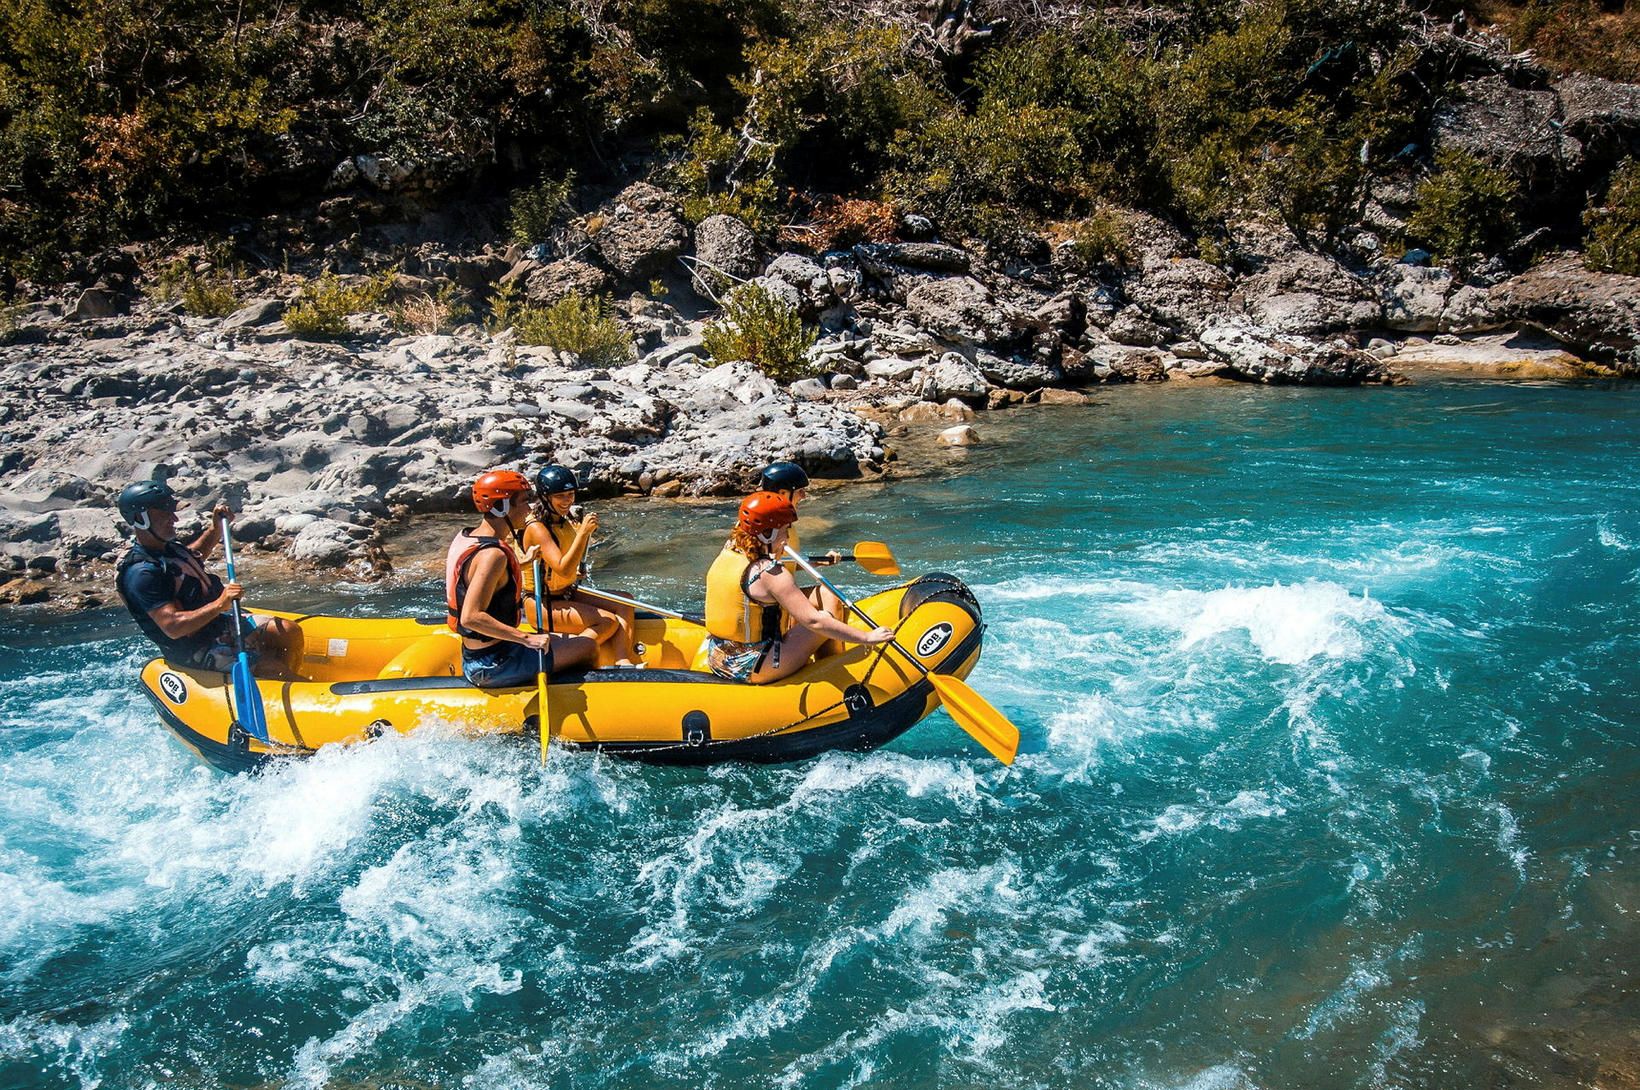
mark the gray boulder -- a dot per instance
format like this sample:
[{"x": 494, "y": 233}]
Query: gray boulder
[
  {"x": 1016, "y": 374},
  {"x": 255, "y": 313},
  {"x": 546, "y": 284},
  {"x": 806, "y": 284},
  {"x": 1511, "y": 127},
  {"x": 1597, "y": 314},
  {"x": 1602, "y": 115},
  {"x": 954, "y": 375},
  {"x": 641, "y": 232},
  {"x": 960, "y": 309},
  {"x": 726, "y": 252},
  {"x": 1259, "y": 355},
  {"x": 1413, "y": 297},
  {"x": 1185, "y": 293},
  {"x": 322, "y": 542},
  {"x": 1296, "y": 291}
]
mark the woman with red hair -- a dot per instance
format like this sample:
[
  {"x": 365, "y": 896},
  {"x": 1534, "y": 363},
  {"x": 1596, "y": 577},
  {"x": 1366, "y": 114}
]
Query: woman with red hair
[{"x": 750, "y": 597}]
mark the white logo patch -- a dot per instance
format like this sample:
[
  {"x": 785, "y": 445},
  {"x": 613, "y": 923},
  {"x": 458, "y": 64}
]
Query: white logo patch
[
  {"x": 174, "y": 688},
  {"x": 934, "y": 639}
]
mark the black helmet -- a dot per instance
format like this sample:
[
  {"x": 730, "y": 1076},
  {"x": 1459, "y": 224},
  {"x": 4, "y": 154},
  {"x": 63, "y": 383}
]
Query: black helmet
[
  {"x": 138, "y": 499},
  {"x": 783, "y": 477},
  {"x": 555, "y": 479}
]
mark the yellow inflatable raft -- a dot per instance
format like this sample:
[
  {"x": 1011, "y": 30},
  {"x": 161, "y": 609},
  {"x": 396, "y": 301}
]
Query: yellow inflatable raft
[{"x": 362, "y": 677}]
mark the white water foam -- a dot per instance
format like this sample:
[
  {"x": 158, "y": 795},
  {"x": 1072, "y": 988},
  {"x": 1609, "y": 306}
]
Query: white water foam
[{"x": 1229, "y": 816}]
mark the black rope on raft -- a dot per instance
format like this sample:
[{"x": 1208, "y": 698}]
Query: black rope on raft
[{"x": 671, "y": 746}]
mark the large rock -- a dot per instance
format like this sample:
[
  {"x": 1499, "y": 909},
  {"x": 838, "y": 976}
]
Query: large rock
[
  {"x": 1296, "y": 291},
  {"x": 641, "y": 231},
  {"x": 954, "y": 375},
  {"x": 1511, "y": 127},
  {"x": 1184, "y": 292},
  {"x": 1259, "y": 355},
  {"x": 547, "y": 284},
  {"x": 1413, "y": 297},
  {"x": 1602, "y": 115},
  {"x": 1017, "y": 374},
  {"x": 806, "y": 285},
  {"x": 960, "y": 309},
  {"x": 323, "y": 542},
  {"x": 1595, "y": 313},
  {"x": 726, "y": 252}
]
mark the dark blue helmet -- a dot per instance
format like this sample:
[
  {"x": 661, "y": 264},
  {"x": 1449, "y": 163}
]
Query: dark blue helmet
[
  {"x": 554, "y": 479},
  {"x": 138, "y": 499},
  {"x": 783, "y": 477}
]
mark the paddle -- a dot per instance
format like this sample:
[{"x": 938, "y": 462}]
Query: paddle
[
  {"x": 645, "y": 606},
  {"x": 873, "y": 556},
  {"x": 989, "y": 727},
  {"x": 543, "y": 623},
  {"x": 247, "y": 697}
]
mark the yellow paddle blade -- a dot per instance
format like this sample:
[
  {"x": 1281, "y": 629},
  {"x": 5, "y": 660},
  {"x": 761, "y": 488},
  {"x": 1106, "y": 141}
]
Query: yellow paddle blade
[
  {"x": 989, "y": 727},
  {"x": 541, "y": 713},
  {"x": 875, "y": 558}
]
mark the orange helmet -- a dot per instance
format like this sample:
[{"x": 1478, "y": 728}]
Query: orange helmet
[
  {"x": 762, "y": 513},
  {"x": 494, "y": 492}
]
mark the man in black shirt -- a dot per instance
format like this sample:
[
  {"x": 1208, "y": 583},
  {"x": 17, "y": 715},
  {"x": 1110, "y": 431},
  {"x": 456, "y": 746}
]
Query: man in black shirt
[{"x": 182, "y": 607}]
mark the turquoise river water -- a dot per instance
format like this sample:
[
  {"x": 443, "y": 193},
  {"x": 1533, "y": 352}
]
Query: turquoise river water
[{"x": 1329, "y": 703}]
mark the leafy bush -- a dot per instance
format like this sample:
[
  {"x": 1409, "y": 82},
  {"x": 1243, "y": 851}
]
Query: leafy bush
[
  {"x": 842, "y": 222},
  {"x": 1100, "y": 238},
  {"x": 212, "y": 294},
  {"x": 1613, "y": 240},
  {"x": 714, "y": 176},
  {"x": 575, "y": 323},
  {"x": 537, "y": 209},
  {"x": 1059, "y": 122},
  {"x": 1465, "y": 209},
  {"x": 757, "y": 326},
  {"x": 323, "y": 307}
]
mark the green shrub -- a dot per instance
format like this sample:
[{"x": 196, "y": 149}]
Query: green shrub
[
  {"x": 757, "y": 326},
  {"x": 1465, "y": 209},
  {"x": 1613, "y": 240},
  {"x": 211, "y": 294},
  {"x": 323, "y": 307},
  {"x": 537, "y": 209},
  {"x": 715, "y": 178},
  {"x": 1099, "y": 238},
  {"x": 575, "y": 323},
  {"x": 1059, "y": 121}
]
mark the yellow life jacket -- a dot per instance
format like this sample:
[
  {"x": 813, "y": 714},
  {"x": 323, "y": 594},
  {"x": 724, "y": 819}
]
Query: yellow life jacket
[
  {"x": 564, "y": 535},
  {"x": 731, "y": 614},
  {"x": 791, "y": 540}
]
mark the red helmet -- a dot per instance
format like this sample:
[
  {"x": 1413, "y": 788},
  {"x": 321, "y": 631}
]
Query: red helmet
[
  {"x": 762, "y": 513},
  {"x": 494, "y": 492}
]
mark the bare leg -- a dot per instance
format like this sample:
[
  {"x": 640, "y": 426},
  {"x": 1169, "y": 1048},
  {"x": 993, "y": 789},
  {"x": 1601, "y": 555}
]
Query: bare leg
[
  {"x": 572, "y": 652},
  {"x": 791, "y": 654},
  {"x": 620, "y": 641},
  {"x": 825, "y": 600},
  {"x": 278, "y": 643}
]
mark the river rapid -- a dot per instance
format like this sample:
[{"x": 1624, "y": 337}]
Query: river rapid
[{"x": 1328, "y": 779}]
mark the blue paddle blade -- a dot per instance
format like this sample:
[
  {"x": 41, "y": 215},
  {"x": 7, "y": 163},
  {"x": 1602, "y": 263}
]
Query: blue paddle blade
[{"x": 248, "y": 698}]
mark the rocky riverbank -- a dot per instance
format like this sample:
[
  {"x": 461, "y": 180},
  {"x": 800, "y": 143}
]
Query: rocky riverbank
[{"x": 328, "y": 444}]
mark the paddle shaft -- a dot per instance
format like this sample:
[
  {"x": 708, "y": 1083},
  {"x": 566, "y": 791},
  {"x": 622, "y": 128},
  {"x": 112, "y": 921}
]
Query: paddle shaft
[
  {"x": 543, "y": 622},
  {"x": 858, "y": 612},
  {"x": 251, "y": 715},
  {"x": 635, "y": 604},
  {"x": 227, "y": 551}
]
